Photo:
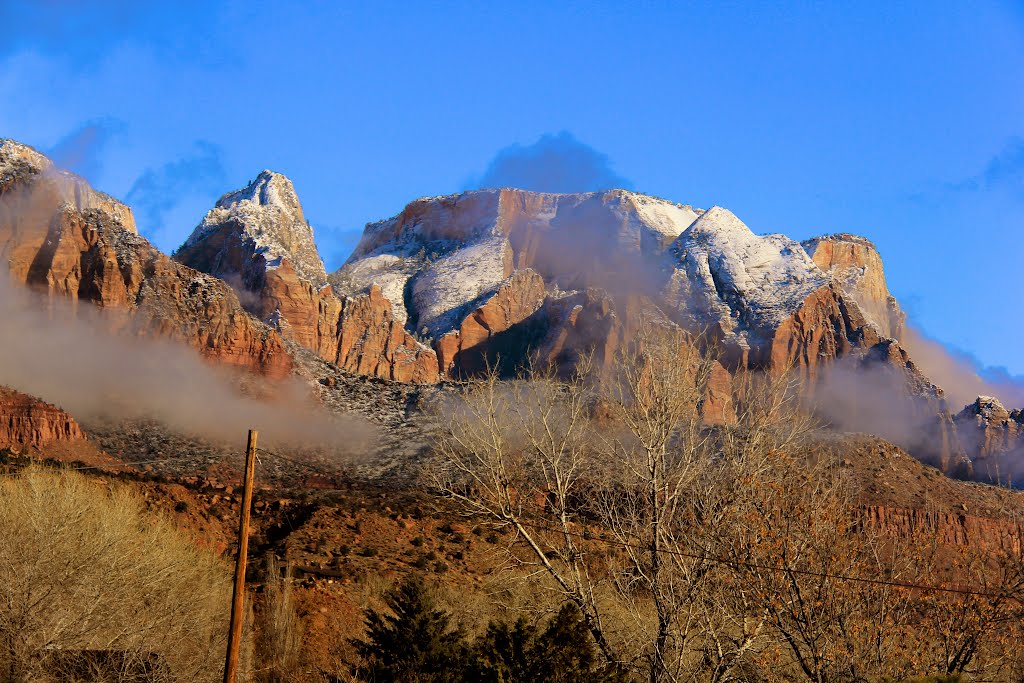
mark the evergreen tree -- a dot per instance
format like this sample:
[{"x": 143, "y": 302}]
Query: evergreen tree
[
  {"x": 414, "y": 643},
  {"x": 522, "y": 653}
]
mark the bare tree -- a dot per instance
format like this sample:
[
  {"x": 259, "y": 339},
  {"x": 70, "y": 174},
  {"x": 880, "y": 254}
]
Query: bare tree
[
  {"x": 680, "y": 495},
  {"x": 629, "y": 454},
  {"x": 518, "y": 454}
]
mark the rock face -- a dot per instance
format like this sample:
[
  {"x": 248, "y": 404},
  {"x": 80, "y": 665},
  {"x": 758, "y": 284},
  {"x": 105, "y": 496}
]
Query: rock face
[
  {"x": 372, "y": 342},
  {"x": 89, "y": 254},
  {"x": 856, "y": 263},
  {"x": 26, "y": 422},
  {"x": 946, "y": 528},
  {"x": 455, "y": 283},
  {"x": 258, "y": 240},
  {"x": 996, "y": 435},
  {"x": 476, "y": 342},
  {"x": 763, "y": 297},
  {"x": 63, "y": 189},
  {"x": 740, "y": 286},
  {"x": 514, "y": 274}
]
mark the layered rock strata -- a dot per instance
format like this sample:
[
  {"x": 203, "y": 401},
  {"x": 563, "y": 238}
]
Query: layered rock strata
[
  {"x": 89, "y": 254},
  {"x": 26, "y": 422},
  {"x": 258, "y": 240}
]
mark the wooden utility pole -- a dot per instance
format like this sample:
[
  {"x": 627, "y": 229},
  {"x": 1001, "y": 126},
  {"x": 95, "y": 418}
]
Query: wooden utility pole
[{"x": 238, "y": 599}]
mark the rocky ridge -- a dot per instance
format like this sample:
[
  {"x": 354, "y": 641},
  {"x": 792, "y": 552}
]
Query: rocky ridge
[
  {"x": 258, "y": 240},
  {"x": 65, "y": 189},
  {"x": 996, "y": 435},
  {"x": 26, "y": 422},
  {"x": 88, "y": 254},
  {"x": 496, "y": 274},
  {"x": 453, "y": 283},
  {"x": 486, "y": 272}
]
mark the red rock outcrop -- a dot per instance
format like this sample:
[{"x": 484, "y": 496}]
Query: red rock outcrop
[
  {"x": 825, "y": 327},
  {"x": 476, "y": 342},
  {"x": 990, "y": 428},
  {"x": 372, "y": 342},
  {"x": 951, "y": 529},
  {"x": 994, "y": 437},
  {"x": 64, "y": 188},
  {"x": 26, "y": 422},
  {"x": 856, "y": 263},
  {"x": 258, "y": 240},
  {"x": 90, "y": 256},
  {"x": 584, "y": 322}
]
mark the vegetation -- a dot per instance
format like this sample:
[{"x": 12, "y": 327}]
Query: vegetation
[
  {"x": 87, "y": 580},
  {"x": 414, "y": 641},
  {"x": 709, "y": 552},
  {"x": 637, "y": 529}
]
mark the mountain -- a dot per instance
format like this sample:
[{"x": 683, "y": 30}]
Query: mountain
[
  {"x": 453, "y": 284},
  {"x": 257, "y": 239},
  {"x": 443, "y": 259},
  {"x": 506, "y": 273},
  {"x": 64, "y": 240}
]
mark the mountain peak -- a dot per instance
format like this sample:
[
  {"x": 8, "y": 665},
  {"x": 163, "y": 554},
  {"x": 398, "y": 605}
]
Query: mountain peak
[
  {"x": 988, "y": 408},
  {"x": 268, "y": 212},
  {"x": 267, "y": 189}
]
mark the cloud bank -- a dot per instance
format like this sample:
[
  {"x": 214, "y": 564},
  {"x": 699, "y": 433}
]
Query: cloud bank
[
  {"x": 556, "y": 163},
  {"x": 74, "y": 359}
]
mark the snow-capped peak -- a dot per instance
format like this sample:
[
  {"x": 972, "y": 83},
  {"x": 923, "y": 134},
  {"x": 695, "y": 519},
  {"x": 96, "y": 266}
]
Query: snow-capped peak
[
  {"x": 732, "y": 273},
  {"x": 269, "y": 212}
]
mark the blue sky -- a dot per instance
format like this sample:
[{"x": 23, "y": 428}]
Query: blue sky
[{"x": 903, "y": 122}]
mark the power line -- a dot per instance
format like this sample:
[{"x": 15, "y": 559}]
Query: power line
[
  {"x": 730, "y": 562},
  {"x": 624, "y": 544},
  {"x": 773, "y": 568}
]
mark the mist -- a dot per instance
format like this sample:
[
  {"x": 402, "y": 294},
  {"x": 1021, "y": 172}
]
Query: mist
[
  {"x": 75, "y": 359},
  {"x": 959, "y": 375},
  {"x": 873, "y": 398}
]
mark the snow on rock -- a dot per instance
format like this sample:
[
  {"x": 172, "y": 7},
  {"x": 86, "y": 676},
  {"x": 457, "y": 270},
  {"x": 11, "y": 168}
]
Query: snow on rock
[
  {"x": 268, "y": 212},
  {"x": 18, "y": 161},
  {"x": 744, "y": 283},
  {"x": 442, "y": 254},
  {"x": 443, "y": 290}
]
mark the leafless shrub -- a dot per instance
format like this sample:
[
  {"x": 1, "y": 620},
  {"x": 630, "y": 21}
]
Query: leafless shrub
[{"x": 83, "y": 569}]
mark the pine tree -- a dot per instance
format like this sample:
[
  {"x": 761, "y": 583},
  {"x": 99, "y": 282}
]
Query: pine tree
[
  {"x": 414, "y": 643},
  {"x": 521, "y": 653}
]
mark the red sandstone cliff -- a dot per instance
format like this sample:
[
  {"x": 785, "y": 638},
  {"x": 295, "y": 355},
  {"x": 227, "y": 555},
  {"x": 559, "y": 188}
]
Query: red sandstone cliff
[
  {"x": 26, "y": 422},
  {"x": 258, "y": 240},
  {"x": 857, "y": 265},
  {"x": 58, "y": 248}
]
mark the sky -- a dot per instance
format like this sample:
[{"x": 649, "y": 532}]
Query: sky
[{"x": 902, "y": 122}]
